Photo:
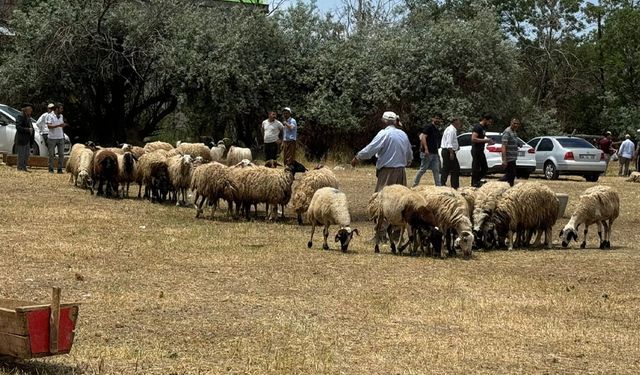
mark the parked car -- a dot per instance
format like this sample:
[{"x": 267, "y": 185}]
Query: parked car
[
  {"x": 566, "y": 155},
  {"x": 525, "y": 164},
  {"x": 8, "y": 117}
]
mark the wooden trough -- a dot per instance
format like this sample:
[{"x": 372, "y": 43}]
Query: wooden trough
[{"x": 31, "y": 331}]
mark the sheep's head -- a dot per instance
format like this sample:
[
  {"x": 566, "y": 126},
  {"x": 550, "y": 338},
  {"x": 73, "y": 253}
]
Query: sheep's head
[
  {"x": 297, "y": 167},
  {"x": 91, "y": 145},
  {"x": 568, "y": 234},
  {"x": 186, "y": 159},
  {"x": 85, "y": 179},
  {"x": 486, "y": 236},
  {"x": 198, "y": 161},
  {"x": 464, "y": 242},
  {"x": 345, "y": 235},
  {"x": 244, "y": 163},
  {"x": 430, "y": 236},
  {"x": 127, "y": 147}
]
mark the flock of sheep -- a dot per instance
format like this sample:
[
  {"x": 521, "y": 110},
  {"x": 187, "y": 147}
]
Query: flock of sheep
[{"x": 494, "y": 215}]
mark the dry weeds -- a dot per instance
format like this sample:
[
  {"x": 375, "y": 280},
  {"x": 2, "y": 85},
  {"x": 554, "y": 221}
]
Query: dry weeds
[{"x": 163, "y": 293}]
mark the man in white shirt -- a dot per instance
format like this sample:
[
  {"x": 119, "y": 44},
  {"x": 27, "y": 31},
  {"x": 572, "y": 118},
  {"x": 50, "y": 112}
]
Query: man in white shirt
[
  {"x": 42, "y": 124},
  {"x": 55, "y": 123},
  {"x": 271, "y": 134},
  {"x": 450, "y": 147},
  {"x": 625, "y": 154}
]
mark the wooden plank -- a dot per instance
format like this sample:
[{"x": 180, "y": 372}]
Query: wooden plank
[
  {"x": 14, "y": 345},
  {"x": 24, "y": 306},
  {"x": 39, "y": 328},
  {"x": 34, "y": 161},
  {"x": 54, "y": 320},
  {"x": 13, "y": 322}
]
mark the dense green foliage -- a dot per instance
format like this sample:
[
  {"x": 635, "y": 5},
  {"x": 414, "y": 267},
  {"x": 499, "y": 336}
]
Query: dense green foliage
[{"x": 131, "y": 69}]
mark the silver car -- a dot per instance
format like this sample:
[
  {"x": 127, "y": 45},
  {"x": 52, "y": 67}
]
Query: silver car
[{"x": 565, "y": 155}]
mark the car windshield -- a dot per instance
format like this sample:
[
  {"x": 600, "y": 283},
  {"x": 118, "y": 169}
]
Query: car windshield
[
  {"x": 574, "y": 143},
  {"x": 10, "y": 110}
]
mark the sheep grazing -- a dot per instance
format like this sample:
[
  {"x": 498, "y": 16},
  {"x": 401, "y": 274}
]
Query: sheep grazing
[
  {"x": 486, "y": 200},
  {"x": 153, "y": 172},
  {"x": 269, "y": 186},
  {"x": 469, "y": 193},
  {"x": 451, "y": 213},
  {"x": 308, "y": 185},
  {"x": 598, "y": 205},
  {"x": 217, "y": 152},
  {"x": 105, "y": 171},
  {"x": 85, "y": 169},
  {"x": 210, "y": 182},
  {"x": 193, "y": 149},
  {"x": 527, "y": 207},
  {"x": 180, "y": 169},
  {"x": 73, "y": 159},
  {"x": 127, "y": 171},
  {"x": 237, "y": 154},
  {"x": 154, "y": 146},
  {"x": 329, "y": 207},
  {"x": 634, "y": 177},
  {"x": 401, "y": 207}
]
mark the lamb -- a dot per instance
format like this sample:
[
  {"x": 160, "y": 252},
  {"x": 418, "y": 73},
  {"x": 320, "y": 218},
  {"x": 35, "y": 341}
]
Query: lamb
[
  {"x": 105, "y": 170},
  {"x": 486, "y": 200},
  {"x": 193, "y": 149},
  {"x": 180, "y": 169},
  {"x": 329, "y": 207},
  {"x": 217, "y": 152},
  {"x": 153, "y": 172},
  {"x": 401, "y": 207},
  {"x": 598, "y": 205},
  {"x": 528, "y": 206},
  {"x": 237, "y": 154},
  {"x": 210, "y": 182},
  {"x": 154, "y": 146},
  {"x": 634, "y": 177},
  {"x": 308, "y": 185},
  {"x": 451, "y": 214},
  {"x": 127, "y": 171}
]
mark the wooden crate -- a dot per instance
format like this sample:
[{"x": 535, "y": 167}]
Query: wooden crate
[{"x": 31, "y": 331}]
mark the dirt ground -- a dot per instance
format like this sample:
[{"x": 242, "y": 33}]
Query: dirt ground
[{"x": 165, "y": 293}]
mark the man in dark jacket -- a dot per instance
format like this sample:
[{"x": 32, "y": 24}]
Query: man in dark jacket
[{"x": 24, "y": 132}]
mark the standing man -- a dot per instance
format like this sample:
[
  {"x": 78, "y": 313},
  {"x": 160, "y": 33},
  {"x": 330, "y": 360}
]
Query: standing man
[
  {"x": 42, "y": 124},
  {"x": 605, "y": 144},
  {"x": 510, "y": 144},
  {"x": 394, "y": 153},
  {"x": 625, "y": 154},
  {"x": 636, "y": 153},
  {"x": 24, "y": 132},
  {"x": 290, "y": 136},
  {"x": 449, "y": 159},
  {"x": 271, "y": 135},
  {"x": 479, "y": 165},
  {"x": 429, "y": 144},
  {"x": 55, "y": 123}
]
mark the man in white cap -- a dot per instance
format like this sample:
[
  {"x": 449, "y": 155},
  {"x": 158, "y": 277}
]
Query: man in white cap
[
  {"x": 290, "y": 137},
  {"x": 42, "y": 123},
  {"x": 625, "y": 154},
  {"x": 394, "y": 153}
]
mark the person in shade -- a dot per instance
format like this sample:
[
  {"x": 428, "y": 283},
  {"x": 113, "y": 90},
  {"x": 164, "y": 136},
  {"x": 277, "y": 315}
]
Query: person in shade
[
  {"x": 450, "y": 147},
  {"x": 290, "y": 136},
  {"x": 394, "y": 153},
  {"x": 24, "y": 132},
  {"x": 510, "y": 145},
  {"x": 479, "y": 165}
]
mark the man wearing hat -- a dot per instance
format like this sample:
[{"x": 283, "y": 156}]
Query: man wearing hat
[
  {"x": 625, "y": 154},
  {"x": 394, "y": 153},
  {"x": 290, "y": 136},
  {"x": 24, "y": 132},
  {"x": 42, "y": 123}
]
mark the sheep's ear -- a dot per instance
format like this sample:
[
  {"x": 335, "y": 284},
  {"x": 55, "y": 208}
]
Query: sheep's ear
[
  {"x": 356, "y": 232},
  {"x": 561, "y": 232},
  {"x": 337, "y": 237}
]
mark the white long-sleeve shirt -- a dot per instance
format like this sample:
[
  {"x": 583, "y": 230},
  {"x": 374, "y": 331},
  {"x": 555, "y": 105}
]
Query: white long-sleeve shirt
[
  {"x": 392, "y": 147},
  {"x": 626, "y": 149},
  {"x": 450, "y": 138}
]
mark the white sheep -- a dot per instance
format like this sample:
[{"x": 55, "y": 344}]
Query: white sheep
[
  {"x": 210, "y": 182},
  {"x": 486, "y": 200},
  {"x": 237, "y": 154},
  {"x": 329, "y": 207},
  {"x": 217, "y": 152},
  {"x": 266, "y": 185},
  {"x": 308, "y": 185},
  {"x": 180, "y": 169},
  {"x": 153, "y": 172},
  {"x": 85, "y": 168},
  {"x": 528, "y": 206},
  {"x": 193, "y": 149},
  {"x": 127, "y": 171},
  {"x": 634, "y": 177},
  {"x": 154, "y": 146},
  {"x": 598, "y": 205}
]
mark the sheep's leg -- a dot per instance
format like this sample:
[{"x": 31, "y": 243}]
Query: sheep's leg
[
  {"x": 538, "y": 240},
  {"x": 139, "y": 190},
  {"x": 282, "y": 215},
  {"x": 313, "y": 229},
  {"x": 378, "y": 228},
  {"x": 608, "y": 234},
  {"x": 511, "y": 239},
  {"x": 603, "y": 240},
  {"x": 299, "y": 218},
  {"x": 391, "y": 242},
  {"x": 325, "y": 234},
  {"x": 584, "y": 240},
  {"x": 548, "y": 241}
]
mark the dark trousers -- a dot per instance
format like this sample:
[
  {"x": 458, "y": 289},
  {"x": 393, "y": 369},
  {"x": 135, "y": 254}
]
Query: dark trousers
[
  {"x": 56, "y": 145},
  {"x": 450, "y": 166},
  {"x": 23, "y": 156},
  {"x": 390, "y": 176},
  {"x": 479, "y": 168},
  {"x": 271, "y": 151},
  {"x": 509, "y": 172}
]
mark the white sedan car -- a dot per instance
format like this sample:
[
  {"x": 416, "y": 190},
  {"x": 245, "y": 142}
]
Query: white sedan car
[
  {"x": 525, "y": 164},
  {"x": 8, "y": 132}
]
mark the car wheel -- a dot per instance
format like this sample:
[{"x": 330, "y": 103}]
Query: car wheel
[
  {"x": 35, "y": 150},
  {"x": 550, "y": 171},
  {"x": 592, "y": 177}
]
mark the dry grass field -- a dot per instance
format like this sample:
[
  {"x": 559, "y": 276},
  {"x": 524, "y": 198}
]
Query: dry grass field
[{"x": 164, "y": 293}]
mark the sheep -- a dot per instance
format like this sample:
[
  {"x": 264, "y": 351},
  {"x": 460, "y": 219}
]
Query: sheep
[
  {"x": 486, "y": 199},
  {"x": 599, "y": 205},
  {"x": 85, "y": 169},
  {"x": 135, "y": 150},
  {"x": 217, "y": 152},
  {"x": 73, "y": 159},
  {"x": 239, "y": 177},
  {"x": 400, "y": 207},
  {"x": 154, "y": 146},
  {"x": 267, "y": 185},
  {"x": 127, "y": 171},
  {"x": 237, "y": 154},
  {"x": 469, "y": 193},
  {"x": 528, "y": 206},
  {"x": 105, "y": 170},
  {"x": 180, "y": 169},
  {"x": 329, "y": 207},
  {"x": 210, "y": 182},
  {"x": 451, "y": 212},
  {"x": 308, "y": 185},
  {"x": 153, "y": 172},
  {"x": 193, "y": 149},
  {"x": 634, "y": 177}
]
